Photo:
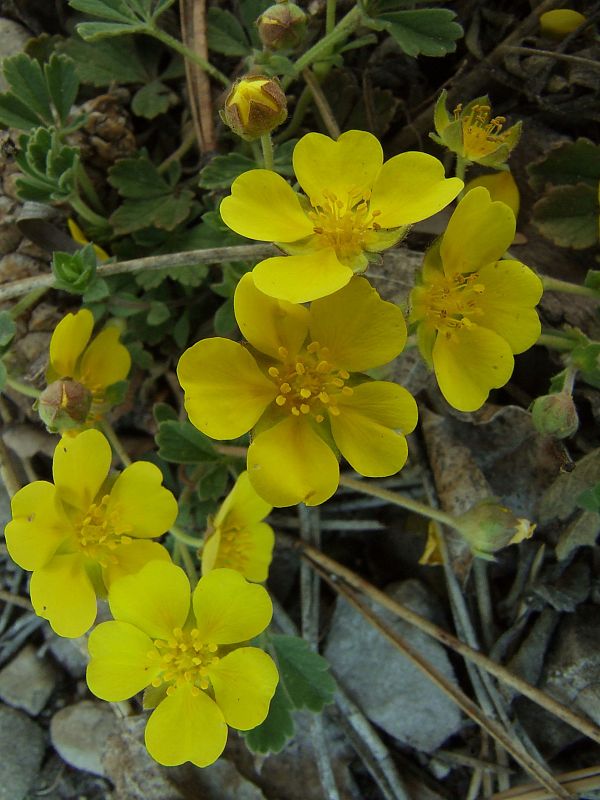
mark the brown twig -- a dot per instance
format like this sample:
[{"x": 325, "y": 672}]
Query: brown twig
[
  {"x": 8, "y": 474},
  {"x": 16, "y": 600},
  {"x": 578, "y": 782},
  {"x": 193, "y": 33},
  {"x": 325, "y": 110},
  {"x": 532, "y": 51}
]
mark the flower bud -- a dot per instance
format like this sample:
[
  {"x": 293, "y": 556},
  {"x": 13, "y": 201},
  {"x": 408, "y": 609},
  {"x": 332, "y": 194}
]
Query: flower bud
[
  {"x": 560, "y": 22},
  {"x": 282, "y": 26},
  {"x": 555, "y": 415},
  {"x": 489, "y": 527},
  {"x": 254, "y": 106},
  {"x": 64, "y": 405}
]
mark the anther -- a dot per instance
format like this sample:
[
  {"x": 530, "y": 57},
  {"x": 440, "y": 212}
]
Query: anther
[
  {"x": 305, "y": 393},
  {"x": 273, "y": 372},
  {"x": 285, "y": 388},
  {"x": 322, "y": 366},
  {"x": 282, "y": 352},
  {"x": 305, "y": 408},
  {"x": 347, "y": 391},
  {"x": 280, "y": 400},
  {"x": 300, "y": 368},
  {"x": 323, "y": 397},
  {"x": 295, "y": 411},
  {"x": 319, "y": 418},
  {"x": 343, "y": 373},
  {"x": 334, "y": 410}
]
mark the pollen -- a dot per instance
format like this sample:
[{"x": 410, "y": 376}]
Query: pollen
[
  {"x": 482, "y": 134},
  {"x": 99, "y": 532},
  {"x": 453, "y": 303},
  {"x": 183, "y": 659},
  {"x": 345, "y": 223}
]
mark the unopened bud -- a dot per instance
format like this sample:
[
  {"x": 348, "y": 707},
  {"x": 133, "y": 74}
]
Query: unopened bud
[
  {"x": 555, "y": 415},
  {"x": 282, "y": 26},
  {"x": 64, "y": 405},
  {"x": 254, "y": 106},
  {"x": 560, "y": 22},
  {"x": 489, "y": 527}
]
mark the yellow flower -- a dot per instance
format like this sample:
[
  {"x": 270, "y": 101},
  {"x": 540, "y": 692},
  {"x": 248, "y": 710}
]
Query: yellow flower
[
  {"x": 474, "y": 311},
  {"x": 237, "y": 537},
  {"x": 79, "y": 236},
  {"x": 501, "y": 186},
  {"x": 355, "y": 205},
  {"x": 473, "y": 134},
  {"x": 560, "y": 22},
  {"x": 96, "y": 365},
  {"x": 84, "y": 531},
  {"x": 200, "y": 678},
  {"x": 293, "y": 386}
]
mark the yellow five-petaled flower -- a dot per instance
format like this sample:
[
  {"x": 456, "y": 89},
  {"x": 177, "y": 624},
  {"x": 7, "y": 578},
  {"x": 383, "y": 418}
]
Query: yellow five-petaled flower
[
  {"x": 354, "y": 205},
  {"x": 85, "y": 530},
  {"x": 299, "y": 386},
  {"x": 189, "y": 653},
  {"x": 237, "y": 537},
  {"x": 473, "y": 310}
]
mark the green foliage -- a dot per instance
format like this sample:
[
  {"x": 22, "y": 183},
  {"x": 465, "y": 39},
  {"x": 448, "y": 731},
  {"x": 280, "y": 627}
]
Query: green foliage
[
  {"x": 223, "y": 170},
  {"x": 3, "y": 375},
  {"x": 181, "y": 443},
  {"x": 589, "y": 500},
  {"x": 150, "y": 198},
  {"x": 304, "y": 682},
  {"x": 7, "y": 328},
  {"x": 49, "y": 167},
  {"x": 225, "y": 34},
  {"x": 118, "y": 16},
  {"x": 427, "y": 31},
  {"x": 586, "y": 358},
  {"x": 75, "y": 272},
  {"x": 224, "y": 321},
  {"x": 38, "y": 96},
  {"x": 568, "y": 211}
]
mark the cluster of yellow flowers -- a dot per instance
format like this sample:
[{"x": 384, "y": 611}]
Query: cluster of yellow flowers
[{"x": 312, "y": 328}]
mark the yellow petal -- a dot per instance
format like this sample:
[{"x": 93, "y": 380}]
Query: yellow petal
[
  {"x": 501, "y": 186},
  {"x": 105, "y": 361},
  {"x": 258, "y": 552},
  {"x": 186, "y": 727},
  {"x": 251, "y": 556},
  {"x": 267, "y": 323},
  {"x": 37, "y": 527},
  {"x": 346, "y": 167},
  {"x": 68, "y": 342},
  {"x": 411, "y": 187},
  {"x": 80, "y": 467},
  {"x": 370, "y": 427},
  {"x": 140, "y": 503},
  {"x": 79, "y": 236},
  {"x": 469, "y": 364},
  {"x": 228, "y": 609},
  {"x": 511, "y": 292},
  {"x": 156, "y": 599},
  {"x": 262, "y": 205},
  {"x": 290, "y": 463},
  {"x": 244, "y": 682},
  {"x": 225, "y": 391},
  {"x": 119, "y": 665},
  {"x": 62, "y": 593},
  {"x": 242, "y": 506},
  {"x": 360, "y": 329},
  {"x": 479, "y": 232},
  {"x": 299, "y": 279},
  {"x": 130, "y": 557}
]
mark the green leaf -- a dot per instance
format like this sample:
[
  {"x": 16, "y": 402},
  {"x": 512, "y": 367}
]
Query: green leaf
[
  {"x": 97, "y": 290},
  {"x": 26, "y": 81},
  {"x": 114, "y": 10},
  {"x": 3, "y": 375},
  {"x": 586, "y": 358},
  {"x": 181, "y": 443},
  {"x": 163, "y": 412},
  {"x": 212, "y": 484},
  {"x": 427, "y": 32},
  {"x": 592, "y": 280},
  {"x": 250, "y": 11},
  {"x": 223, "y": 170},
  {"x": 15, "y": 114},
  {"x": 137, "y": 178},
  {"x": 63, "y": 84},
  {"x": 153, "y": 99},
  {"x": 92, "y": 31},
  {"x": 7, "y": 328},
  {"x": 568, "y": 215},
  {"x": 224, "y": 321},
  {"x": 74, "y": 272},
  {"x": 225, "y": 34},
  {"x": 49, "y": 168},
  {"x": 303, "y": 673},
  {"x": 159, "y": 313},
  {"x": 109, "y": 60},
  {"x": 272, "y": 735},
  {"x": 589, "y": 500},
  {"x": 181, "y": 330},
  {"x": 569, "y": 163}
]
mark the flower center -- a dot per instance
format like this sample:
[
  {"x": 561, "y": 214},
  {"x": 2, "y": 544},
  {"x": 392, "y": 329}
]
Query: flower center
[
  {"x": 233, "y": 549},
  {"x": 98, "y": 533},
  {"x": 183, "y": 659},
  {"x": 346, "y": 224},
  {"x": 309, "y": 384},
  {"x": 452, "y": 302},
  {"x": 481, "y": 135}
]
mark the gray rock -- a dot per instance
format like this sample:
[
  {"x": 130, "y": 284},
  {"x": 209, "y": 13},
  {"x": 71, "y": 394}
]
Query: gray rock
[
  {"x": 391, "y": 691},
  {"x": 79, "y": 734},
  {"x": 22, "y": 746},
  {"x": 13, "y": 38},
  {"x": 27, "y": 681},
  {"x": 71, "y": 654},
  {"x": 5, "y": 513}
]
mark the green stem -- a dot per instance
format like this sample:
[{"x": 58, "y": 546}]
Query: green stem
[
  {"x": 181, "y": 536},
  {"x": 187, "y": 143},
  {"x": 178, "y": 46},
  {"x": 324, "y": 46},
  {"x": 86, "y": 212},
  {"x": 556, "y": 285},
  {"x": 330, "y": 16},
  {"x": 88, "y": 187},
  {"x": 267, "y": 151},
  {"x": 182, "y": 551},
  {"x": 26, "y": 302},
  {"x": 367, "y": 487},
  {"x": 460, "y": 171},
  {"x": 22, "y": 388},
  {"x": 115, "y": 442},
  {"x": 569, "y": 382},
  {"x": 556, "y": 342}
]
